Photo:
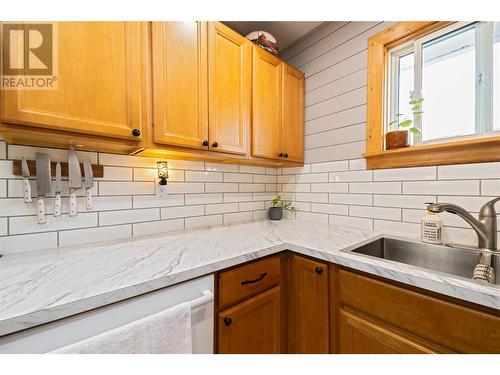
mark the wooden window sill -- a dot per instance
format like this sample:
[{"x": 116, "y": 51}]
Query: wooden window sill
[{"x": 479, "y": 150}]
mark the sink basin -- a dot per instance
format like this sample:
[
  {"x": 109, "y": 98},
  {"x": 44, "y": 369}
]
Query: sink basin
[{"x": 452, "y": 260}]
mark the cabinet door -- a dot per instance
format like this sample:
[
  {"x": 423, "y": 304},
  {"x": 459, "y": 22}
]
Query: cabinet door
[
  {"x": 292, "y": 123},
  {"x": 230, "y": 88},
  {"x": 180, "y": 84},
  {"x": 361, "y": 336},
  {"x": 102, "y": 81},
  {"x": 252, "y": 327},
  {"x": 309, "y": 320},
  {"x": 266, "y": 105}
]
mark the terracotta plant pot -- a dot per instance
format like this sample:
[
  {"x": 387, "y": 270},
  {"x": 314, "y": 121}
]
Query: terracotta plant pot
[
  {"x": 275, "y": 213},
  {"x": 396, "y": 139}
]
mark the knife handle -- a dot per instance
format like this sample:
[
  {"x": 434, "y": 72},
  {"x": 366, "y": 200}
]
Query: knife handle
[
  {"x": 88, "y": 195},
  {"x": 40, "y": 213},
  {"x": 57, "y": 205},
  {"x": 72, "y": 204},
  {"x": 27, "y": 190}
]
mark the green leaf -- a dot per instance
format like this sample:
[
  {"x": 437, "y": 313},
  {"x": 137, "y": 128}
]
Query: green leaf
[
  {"x": 406, "y": 123},
  {"x": 418, "y": 112},
  {"x": 393, "y": 122},
  {"x": 415, "y": 130},
  {"x": 399, "y": 114}
]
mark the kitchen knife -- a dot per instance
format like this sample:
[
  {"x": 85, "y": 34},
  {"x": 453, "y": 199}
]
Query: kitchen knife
[
  {"x": 26, "y": 184},
  {"x": 57, "y": 199},
  {"x": 43, "y": 181},
  {"x": 75, "y": 180},
  {"x": 89, "y": 182}
]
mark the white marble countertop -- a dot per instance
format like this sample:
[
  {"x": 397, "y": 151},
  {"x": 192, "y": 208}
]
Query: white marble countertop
[{"x": 43, "y": 286}]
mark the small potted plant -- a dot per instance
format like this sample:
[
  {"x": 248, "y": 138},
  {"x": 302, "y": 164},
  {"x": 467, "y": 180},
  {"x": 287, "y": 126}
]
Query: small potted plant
[
  {"x": 397, "y": 136},
  {"x": 278, "y": 205}
]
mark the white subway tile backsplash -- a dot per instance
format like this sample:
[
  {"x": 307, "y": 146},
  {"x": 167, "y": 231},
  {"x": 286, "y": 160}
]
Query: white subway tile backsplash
[
  {"x": 348, "y": 221},
  {"x": 27, "y": 242},
  {"x": 297, "y": 170},
  {"x": 126, "y": 188},
  {"x": 286, "y": 179},
  {"x": 314, "y": 217},
  {"x": 3, "y": 226},
  {"x": 16, "y": 152},
  {"x": 213, "y": 209},
  {"x": 117, "y": 174},
  {"x": 490, "y": 187},
  {"x": 237, "y": 197},
  {"x": 203, "y": 198},
  {"x": 351, "y": 176},
  {"x": 259, "y": 215},
  {"x": 262, "y": 178},
  {"x": 128, "y": 216},
  {"x": 397, "y": 228},
  {"x": 469, "y": 171},
  {"x": 203, "y": 221},
  {"x": 182, "y": 211},
  {"x": 263, "y": 196},
  {"x": 237, "y": 177},
  {"x": 185, "y": 187},
  {"x": 332, "y": 187},
  {"x": 312, "y": 177},
  {"x": 252, "y": 169},
  {"x": 252, "y": 188},
  {"x": 125, "y": 160},
  {"x": 28, "y": 224},
  {"x": 357, "y": 164},
  {"x": 219, "y": 167},
  {"x": 312, "y": 197},
  {"x": 149, "y": 201},
  {"x": 404, "y": 201},
  {"x": 149, "y": 174},
  {"x": 335, "y": 209},
  {"x": 82, "y": 236},
  {"x": 156, "y": 227},
  {"x": 292, "y": 188},
  {"x": 405, "y": 174},
  {"x": 356, "y": 199},
  {"x": 472, "y": 204},
  {"x": 375, "y": 187},
  {"x": 195, "y": 176},
  {"x": 3, "y": 188},
  {"x": 466, "y": 187},
  {"x": 6, "y": 169},
  {"x": 331, "y": 166},
  {"x": 221, "y": 187},
  {"x": 186, "y": 165},
  {"x": 251, "y": 206},
  {"x": 237, "y": 217},
  {"x": 3, "y": 150},
  {"x": 375, "y": 212}
]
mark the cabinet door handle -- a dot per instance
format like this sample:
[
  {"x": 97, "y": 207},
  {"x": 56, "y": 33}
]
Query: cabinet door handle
[
  {"x": 136, "y": 132},
  {"x": 228, "y": 321},
  {"x": 215, "y": 145},
  {"x": 262, "y": 275},
  {"x": 205, "y": 143},
  {"x": 280, "y": 154},
  {"x": 285, "y": 155},
  {"x": 318, "y": 270}
]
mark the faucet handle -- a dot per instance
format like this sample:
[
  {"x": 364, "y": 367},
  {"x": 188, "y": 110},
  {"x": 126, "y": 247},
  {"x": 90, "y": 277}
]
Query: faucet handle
[{"x": 488, "y": 208}]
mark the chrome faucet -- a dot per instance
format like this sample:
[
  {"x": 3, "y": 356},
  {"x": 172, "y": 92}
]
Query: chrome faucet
[{"x": 485, "y": 227}]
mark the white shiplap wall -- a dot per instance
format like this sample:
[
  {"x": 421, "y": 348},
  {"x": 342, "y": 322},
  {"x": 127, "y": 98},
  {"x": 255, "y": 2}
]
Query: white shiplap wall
[
  {"x": 334, "y": 185},
  {"x": 125, "y": 203}
]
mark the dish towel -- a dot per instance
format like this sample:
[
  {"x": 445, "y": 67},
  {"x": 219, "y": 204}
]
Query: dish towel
[{"x": 166, "y": 332}]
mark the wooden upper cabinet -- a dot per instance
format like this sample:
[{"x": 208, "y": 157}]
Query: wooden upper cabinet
[
  {"x": 309, "y": 311},
  {"x": 251, "y": 327},
  {"x": 292, "y": 126},
  {"x": 179, "y": 55},
  {"x": 266, "y": 104},
  {"x": 230, "y": 89},
  {"x": 102, "y": 77}
]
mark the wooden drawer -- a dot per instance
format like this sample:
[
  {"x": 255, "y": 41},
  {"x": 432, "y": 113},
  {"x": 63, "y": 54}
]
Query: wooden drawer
[
  {"x": 243, "y": 282},
  {"x": 450, "y": 325}
]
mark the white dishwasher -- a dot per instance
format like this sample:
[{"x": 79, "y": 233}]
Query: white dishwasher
[{"x": 51, "y": 336}]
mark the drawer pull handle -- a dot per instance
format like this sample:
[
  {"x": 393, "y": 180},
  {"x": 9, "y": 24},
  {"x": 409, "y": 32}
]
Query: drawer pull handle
[
  {"x": 228, "y": 321},
  {"x": 319, "y": 270},
  {"x": 262, "y": 275}
]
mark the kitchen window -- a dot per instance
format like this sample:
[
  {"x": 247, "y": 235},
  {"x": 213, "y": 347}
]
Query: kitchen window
[{"x": 455, "y": 68}]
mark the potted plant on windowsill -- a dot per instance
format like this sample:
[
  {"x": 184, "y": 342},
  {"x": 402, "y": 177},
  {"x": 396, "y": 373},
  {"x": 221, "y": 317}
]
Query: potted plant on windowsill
[
  {"x": 278, "y": 205},
  {"x": 398, "y": 134}
]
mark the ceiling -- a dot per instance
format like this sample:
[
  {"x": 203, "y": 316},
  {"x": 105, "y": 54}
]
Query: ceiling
[{"x": 285, "y": 32}]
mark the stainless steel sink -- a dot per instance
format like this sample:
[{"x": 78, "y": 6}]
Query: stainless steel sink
[{"x": 452, "y": 260}]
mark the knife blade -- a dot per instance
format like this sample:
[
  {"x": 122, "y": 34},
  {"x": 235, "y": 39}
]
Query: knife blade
[
  {"x": 75, "y": 180},
  {"x": 43, "y": 183},
  {"x": 26, "y": 184},
  {"x": 89, "y": 182},
  {"x": 58, "y": 190}
]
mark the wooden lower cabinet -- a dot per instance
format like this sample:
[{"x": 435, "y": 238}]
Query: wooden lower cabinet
[
  {"x": 308, "y": 324},
  {"x": 251, "y": 327}
]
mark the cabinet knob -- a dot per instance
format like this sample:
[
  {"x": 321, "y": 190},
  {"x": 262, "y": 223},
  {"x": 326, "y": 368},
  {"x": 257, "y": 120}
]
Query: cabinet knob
[
  {"x": 280, "y": 154},
  {"x": 318, "y": 270},
  {"x": 136, "y": 132},
  {"x": 215, "y": 145},
  {"x": 205, "y": 143},
  {"x": 227, "y": 321},
  {"x": 285, "y": 155}
]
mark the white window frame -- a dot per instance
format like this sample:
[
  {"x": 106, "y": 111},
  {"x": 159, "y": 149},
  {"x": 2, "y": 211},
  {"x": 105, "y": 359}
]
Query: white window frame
[{"x": 483, "y": 90}]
